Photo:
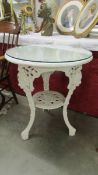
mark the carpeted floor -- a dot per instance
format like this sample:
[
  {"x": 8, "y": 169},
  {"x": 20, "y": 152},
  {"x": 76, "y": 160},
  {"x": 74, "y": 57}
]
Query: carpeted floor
[{"x": 49, "y": 151}]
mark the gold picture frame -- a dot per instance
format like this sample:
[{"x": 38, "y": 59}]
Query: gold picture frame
[
  {"x": 67, "y": 16},
  {"x": 87, "y": 19}
]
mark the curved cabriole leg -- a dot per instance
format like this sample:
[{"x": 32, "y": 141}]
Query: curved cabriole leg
[
  {"x": 26, "y": 76},
  {"x": 25, "y": 133},
  {"x": 74, "y": 75},
  {"x": 72, "y": 130}
]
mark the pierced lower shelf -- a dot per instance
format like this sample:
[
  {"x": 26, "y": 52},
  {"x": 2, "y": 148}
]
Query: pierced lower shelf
[{"x": 48, "y": 99}]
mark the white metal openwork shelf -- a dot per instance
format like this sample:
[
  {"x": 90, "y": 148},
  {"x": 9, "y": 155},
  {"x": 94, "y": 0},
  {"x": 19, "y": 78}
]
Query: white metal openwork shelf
[{"x": 48, "y": 99}]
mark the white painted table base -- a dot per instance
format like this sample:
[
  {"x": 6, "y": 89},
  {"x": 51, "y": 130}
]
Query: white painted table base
[
  {"x": 36, "y": 60},
  {"x": 27, "y": 74}
]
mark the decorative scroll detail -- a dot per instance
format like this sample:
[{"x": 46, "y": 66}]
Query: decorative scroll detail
[
  {"x": 49, "y": 99},
  {"x": 26, "y": 77},
  {"x": 74, "y": 75}
]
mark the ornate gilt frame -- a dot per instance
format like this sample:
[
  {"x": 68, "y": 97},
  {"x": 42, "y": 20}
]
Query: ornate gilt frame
[
  {"x": 61, "y": 29},
  {"x": 83, "y": 33}
]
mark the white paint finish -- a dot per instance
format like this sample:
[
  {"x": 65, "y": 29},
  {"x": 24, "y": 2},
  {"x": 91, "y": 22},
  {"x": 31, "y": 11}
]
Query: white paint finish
[
  {"x": 28, "y": 73},
  {"x": 26, "y": 77},
  {"x": 48, "y": 99},
  {"x": 48, "y": 56}
]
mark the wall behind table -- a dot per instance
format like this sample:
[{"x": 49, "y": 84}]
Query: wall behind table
[{"x": 85, "y": 97}]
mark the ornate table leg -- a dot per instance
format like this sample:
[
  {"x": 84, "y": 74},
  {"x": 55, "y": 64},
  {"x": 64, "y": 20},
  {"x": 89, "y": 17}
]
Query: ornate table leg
[
  {"x": 26, "y": 76},
  {"x": 74, "y": 75},
  {"x": 46, "y": 77}
]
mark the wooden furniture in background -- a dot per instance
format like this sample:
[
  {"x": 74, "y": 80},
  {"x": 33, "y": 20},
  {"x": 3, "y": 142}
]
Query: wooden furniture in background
[{"x": 10, "y": 33}]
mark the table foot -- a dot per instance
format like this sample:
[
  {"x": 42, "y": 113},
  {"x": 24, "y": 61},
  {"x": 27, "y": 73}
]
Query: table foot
[
  {"x": 26, "y": 76},
  {"x": 72, "y": 131},
  {"x": 25, "y": 135}
]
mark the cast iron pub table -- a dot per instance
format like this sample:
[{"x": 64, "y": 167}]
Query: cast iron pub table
[{"x": 35, "y": 60}]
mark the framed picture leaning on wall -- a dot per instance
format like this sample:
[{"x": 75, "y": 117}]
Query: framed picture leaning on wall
[
  {"x": 67, "y": 16},
  {"x": 87, "y": 19}
]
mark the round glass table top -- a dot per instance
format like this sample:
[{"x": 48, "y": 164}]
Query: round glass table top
[{"x": 44, "y": 55}]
